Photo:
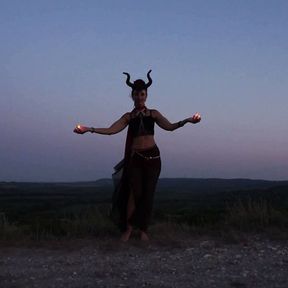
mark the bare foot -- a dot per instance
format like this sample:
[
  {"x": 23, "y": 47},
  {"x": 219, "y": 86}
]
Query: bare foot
[
  {"x": 126, "y": 235},
  {"x": 144, "y": 236}
]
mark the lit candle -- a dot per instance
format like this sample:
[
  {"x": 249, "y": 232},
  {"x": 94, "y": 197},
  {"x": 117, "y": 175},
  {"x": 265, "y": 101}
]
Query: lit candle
[{"x": 79, "y": 126}]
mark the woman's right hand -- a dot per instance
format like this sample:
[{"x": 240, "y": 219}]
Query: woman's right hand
[{"x": 81, "y": 129}]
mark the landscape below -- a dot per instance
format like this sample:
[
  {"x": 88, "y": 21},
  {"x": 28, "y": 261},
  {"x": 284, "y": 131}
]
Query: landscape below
[{"x": 38, "y": 210}]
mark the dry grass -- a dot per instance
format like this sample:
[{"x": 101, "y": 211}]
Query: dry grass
[
  {"x": 241, "y": 216},
  {"x": 254, "y": 215}
]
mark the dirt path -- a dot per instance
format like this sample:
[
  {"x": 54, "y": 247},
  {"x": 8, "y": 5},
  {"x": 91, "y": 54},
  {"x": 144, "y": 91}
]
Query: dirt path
[{"x": 185, "y": 262}]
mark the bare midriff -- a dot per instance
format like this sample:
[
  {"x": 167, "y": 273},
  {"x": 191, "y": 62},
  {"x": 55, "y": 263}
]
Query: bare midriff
[{"x": 143, "y": 142}]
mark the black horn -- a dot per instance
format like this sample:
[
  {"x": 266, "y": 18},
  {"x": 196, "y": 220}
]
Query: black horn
[
  {"x": 149, "y": 78},
  {"x": 128, "y": 80}
]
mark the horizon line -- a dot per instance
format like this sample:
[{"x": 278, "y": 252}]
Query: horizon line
[{"x": 196, "y": 178}]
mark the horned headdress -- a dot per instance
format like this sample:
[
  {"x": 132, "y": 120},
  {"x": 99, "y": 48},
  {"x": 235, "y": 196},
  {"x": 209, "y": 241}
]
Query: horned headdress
[{"x": 138, "y": 84}]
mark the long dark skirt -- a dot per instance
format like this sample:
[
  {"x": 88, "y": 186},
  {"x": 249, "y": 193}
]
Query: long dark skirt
[{"x": 139, "y": 177}]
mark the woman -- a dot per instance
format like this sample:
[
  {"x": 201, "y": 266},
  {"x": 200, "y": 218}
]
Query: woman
[{"x": 142, "y": 161}]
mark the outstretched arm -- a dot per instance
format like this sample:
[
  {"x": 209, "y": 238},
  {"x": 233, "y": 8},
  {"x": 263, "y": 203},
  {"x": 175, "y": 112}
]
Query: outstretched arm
[
  {"x": 116, "y": 127},
  {"x": 167, "y": 125}
]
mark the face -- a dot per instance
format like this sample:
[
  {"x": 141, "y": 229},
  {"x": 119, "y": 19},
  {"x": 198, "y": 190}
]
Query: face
[{"x": 139, "y": 97}]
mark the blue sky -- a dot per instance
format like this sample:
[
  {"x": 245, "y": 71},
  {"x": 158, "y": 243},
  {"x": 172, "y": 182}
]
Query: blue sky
[{"x": 62, "y": 64}]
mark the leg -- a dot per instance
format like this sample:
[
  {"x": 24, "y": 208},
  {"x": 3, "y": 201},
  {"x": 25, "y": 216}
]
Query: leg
[
  {"x": 135, "y": 191},
  {"x": 151, "y": 175},
  {"x": 130, "y": 209},
  {"x": 130, "y": 205}
]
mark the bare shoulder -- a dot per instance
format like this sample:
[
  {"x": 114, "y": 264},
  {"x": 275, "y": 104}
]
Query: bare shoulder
[
  {"x": 154, "y": 113},
  {"x": 126, "y": 116}
]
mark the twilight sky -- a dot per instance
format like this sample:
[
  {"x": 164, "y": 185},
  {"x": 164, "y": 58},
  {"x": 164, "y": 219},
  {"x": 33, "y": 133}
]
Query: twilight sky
[{"x": 62, "y": 64}]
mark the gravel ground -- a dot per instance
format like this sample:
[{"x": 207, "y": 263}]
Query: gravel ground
[{"x": 190, "y": 261}]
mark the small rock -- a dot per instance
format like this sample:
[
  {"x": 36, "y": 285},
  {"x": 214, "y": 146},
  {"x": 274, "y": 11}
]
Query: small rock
[{"x": 207, "y": 244}]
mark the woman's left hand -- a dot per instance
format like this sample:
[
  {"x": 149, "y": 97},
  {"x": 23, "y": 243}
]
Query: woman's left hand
[{"x": 195, "y": 118}]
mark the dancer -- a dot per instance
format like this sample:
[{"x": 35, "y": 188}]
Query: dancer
[{"x": 134, "y": 193}]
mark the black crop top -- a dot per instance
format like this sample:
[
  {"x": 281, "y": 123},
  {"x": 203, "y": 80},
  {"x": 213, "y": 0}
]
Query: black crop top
[{"x": 141, "y": 124}]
